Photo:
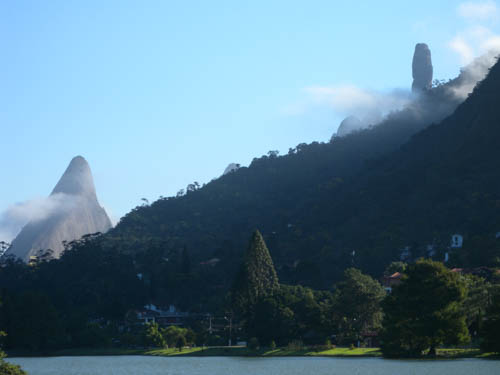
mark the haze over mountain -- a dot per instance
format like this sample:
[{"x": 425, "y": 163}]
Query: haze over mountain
[{"x": 71, "y": 211}]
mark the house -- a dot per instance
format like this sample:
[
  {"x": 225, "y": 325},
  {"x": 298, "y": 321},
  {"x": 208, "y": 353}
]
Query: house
[
  {"x": 392, "y": 280},
  {"x": 457, "y": 241},
  {"x": 165, "y": 318},
  {"x": 211, "y": 262}
]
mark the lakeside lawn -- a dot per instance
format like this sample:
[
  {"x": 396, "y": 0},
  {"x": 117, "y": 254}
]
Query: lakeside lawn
[
  {"x": 239, "y": 351},
  {"x": 264, "y": 352}
]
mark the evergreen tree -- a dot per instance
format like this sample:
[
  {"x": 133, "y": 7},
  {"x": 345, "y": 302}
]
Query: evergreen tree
[
  {"x": 257, "y": 277},
  {"x": 424, "y": 311}
]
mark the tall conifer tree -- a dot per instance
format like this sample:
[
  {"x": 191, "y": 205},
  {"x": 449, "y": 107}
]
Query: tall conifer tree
[{"x": 257, "y": 277}]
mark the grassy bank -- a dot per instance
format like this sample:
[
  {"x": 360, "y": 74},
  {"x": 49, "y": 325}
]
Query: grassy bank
[{"x": 245, "y": 352}]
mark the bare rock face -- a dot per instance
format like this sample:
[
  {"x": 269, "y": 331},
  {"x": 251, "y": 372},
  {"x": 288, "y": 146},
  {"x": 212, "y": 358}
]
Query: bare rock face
[
  {"x": 75, "y": 212},
  {"x": 422, "y": 68},
  {"x": 348, "y": 125},
  {"x": 231, "y": 168}
]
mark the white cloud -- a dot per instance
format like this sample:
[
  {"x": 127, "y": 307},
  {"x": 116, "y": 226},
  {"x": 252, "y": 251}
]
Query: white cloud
[
  {"x": 462, "y": 48},
  {"x": 474, "y": 41},
  {"x": 369, "y": 105},
  {"x": 478, "y": 10},
  {"x": 14, "y": 218},
  {"x": 474, "y": 72}
]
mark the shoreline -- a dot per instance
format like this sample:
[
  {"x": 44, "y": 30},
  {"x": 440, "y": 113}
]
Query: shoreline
[{"x": 235, "y": 351}]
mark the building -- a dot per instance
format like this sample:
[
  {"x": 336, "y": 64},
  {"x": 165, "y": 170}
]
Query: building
[
  {"x": 392, "y": 280},
  {"x": 457, "y": 241},
  {"x": 165, "y": 318}
]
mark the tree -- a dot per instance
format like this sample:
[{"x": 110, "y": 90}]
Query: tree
[
  {"x": 8, "y": 368},
  {"x": 31, "y": 322},
  {"x": 174, "y": 335},
  {"x": 357, "y": 304},
  {"x": 476, "y": 301},
  {"x": 257, "y": 277},
  {"x": 491, "y": 327},
  {"x": 424, "y": 311},
  {"x": 181, "y": 343},
  {"x": 154, "y": 336}
]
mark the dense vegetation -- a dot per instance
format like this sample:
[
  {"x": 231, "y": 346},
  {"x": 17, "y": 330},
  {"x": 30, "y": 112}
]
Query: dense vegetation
[{"x": 90, "y": 298}]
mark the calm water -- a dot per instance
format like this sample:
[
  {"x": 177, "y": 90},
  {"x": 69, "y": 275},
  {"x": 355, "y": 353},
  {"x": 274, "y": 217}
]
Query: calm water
[{"x": 137, "y": 365}]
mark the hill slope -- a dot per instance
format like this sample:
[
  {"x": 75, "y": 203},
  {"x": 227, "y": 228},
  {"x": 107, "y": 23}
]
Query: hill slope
[{"x": 364, "y": 193}]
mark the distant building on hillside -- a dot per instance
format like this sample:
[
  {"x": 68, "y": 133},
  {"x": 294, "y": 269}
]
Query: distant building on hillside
[
  {"x": 154, "y": 314},
  {"x": 211, "y": 262},
  {"x": 392, "y": 280},
  {"x": 457, "y": 241}
]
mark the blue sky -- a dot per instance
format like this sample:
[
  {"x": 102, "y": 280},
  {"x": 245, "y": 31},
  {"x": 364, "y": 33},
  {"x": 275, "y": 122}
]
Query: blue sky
[{"x": 158, "y": 94}]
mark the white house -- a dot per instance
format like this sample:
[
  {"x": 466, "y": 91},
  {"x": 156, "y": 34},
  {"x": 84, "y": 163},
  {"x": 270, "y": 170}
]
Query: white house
[{"x": 457, "y": 240}]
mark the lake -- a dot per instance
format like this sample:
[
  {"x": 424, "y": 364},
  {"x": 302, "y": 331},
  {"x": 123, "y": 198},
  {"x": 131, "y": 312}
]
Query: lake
[{"x": 145, "y": 365}]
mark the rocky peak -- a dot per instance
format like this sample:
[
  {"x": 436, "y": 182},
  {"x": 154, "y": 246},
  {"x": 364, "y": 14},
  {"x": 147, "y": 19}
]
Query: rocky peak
[
  {"x": 422, "y": 68},
  {"x": 77, "y": 179},
  {"x": 75, "y": 213}
]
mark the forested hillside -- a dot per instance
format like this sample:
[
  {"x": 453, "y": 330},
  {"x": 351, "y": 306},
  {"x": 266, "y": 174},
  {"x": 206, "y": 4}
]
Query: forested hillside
[{"x": 354, "y": 201}]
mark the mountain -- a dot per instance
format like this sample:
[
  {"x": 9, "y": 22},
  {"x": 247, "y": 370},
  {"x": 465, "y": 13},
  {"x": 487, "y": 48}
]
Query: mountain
[
  {"x": 411, "y": 181},
  {"x": 231, "y": 168},
  {"x": 349, "y": 125},
  {"x": 73, "y": 211}
]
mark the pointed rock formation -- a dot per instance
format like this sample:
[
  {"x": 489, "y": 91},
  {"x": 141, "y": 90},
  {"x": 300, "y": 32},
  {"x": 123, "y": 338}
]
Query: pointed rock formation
[
  {"x": 75, "y": 211},
  {"x": 422, "y": 68},
  {"x": 348, "y": 125},
  {"x": 231, "y": 168}
]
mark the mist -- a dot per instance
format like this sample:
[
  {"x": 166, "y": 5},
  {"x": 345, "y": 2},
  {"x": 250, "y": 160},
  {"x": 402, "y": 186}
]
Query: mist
[{"x": 15, "y": 217}]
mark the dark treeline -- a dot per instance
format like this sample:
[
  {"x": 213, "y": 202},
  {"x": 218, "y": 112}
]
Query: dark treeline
[
  {"x": 89, "y": 298},
  {"x": 431, "y": 307}
]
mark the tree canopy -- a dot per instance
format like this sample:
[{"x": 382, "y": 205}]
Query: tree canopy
[{"x": 424, "y": 311}]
